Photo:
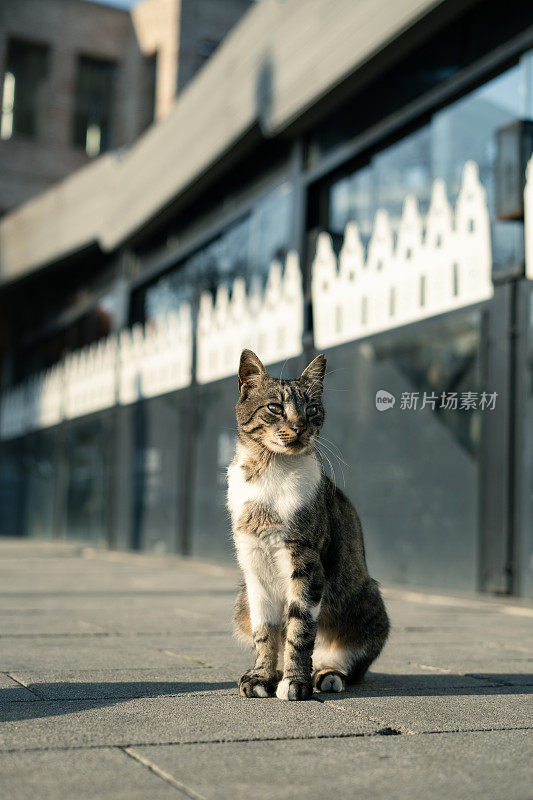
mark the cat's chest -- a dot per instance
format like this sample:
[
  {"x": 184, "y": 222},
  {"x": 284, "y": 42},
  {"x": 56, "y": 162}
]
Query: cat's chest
[{"x": 281, "y": 489}]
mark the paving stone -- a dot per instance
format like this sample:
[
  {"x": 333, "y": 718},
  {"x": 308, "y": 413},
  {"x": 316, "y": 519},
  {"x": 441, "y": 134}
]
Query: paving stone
[
  {"x": 137, "y": 651},
  {"x": 123, "y": 683},
  {"x": 478, "y": 708},
  {"x": 17, "y": 548},
  {"x": 190, "y": 718},
  {"x": 490, "y": 663},
  {"x": 473, "y": 635},
  {"x": 83, "y": 775},
  {"x": 45, "y": 623},
  {"x": 218, "y": 650},
  {"x": 417, "y": 681},
  {"x": 173, "y": 620},
  {"x": 92, "y": 578},
  {"x": 103, "y": 607},
  {"x": 127, "y": 613},
  {"x": 443, "y": 767},
  {"x": 93, "y": 652},
  {"x": 11, "y": 691}
]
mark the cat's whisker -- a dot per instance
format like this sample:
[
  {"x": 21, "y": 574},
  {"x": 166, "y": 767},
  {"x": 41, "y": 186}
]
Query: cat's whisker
[
  {"x": 281, "y": 373},
  {"x": 331, "y": 468},
  {"x": 318, "y": 453},
  {"x": 320, "y": 380},
  {"x": 334, "y": 455},
  {"x": 333, "y": 446},
  {"x": 331, "y": 442},
  {"x": 338, "y": 369},
  {"x": 314, "y": 383},
  {"x": 335, "y": 450}
]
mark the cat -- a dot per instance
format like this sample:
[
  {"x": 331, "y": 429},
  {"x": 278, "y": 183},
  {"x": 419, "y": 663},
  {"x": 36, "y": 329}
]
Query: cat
[{"x": 299, "y": 544}]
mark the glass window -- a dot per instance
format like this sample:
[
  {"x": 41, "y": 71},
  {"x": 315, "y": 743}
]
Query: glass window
[
  {"x": 435, "y": 62},
  {"x": 93, "y": 105},
  {"x": 149, "y": 89},
  {"x": 413, "y": 472},
  {"x": 24, "y": 88},
  {"x": 465, "y": 130},
  {"x": 443, "y": 363},
  {"x": 206, "y": 48},
  {"x": 88, "y": 453},
  {"x": 524, "y": 474},
  {"x": 270, "y": 228},
  {"x": 245, "y": 249}
]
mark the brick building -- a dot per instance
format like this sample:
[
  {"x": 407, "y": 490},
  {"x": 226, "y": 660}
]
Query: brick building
[{"x": 79, "y": 78}]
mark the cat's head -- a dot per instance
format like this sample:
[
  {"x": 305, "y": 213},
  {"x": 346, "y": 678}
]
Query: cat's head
[{"x": 283, "y": 416}]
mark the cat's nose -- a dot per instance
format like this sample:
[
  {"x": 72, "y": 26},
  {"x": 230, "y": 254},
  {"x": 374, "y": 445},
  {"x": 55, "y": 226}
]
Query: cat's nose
[{"x": 298, "y": 428}]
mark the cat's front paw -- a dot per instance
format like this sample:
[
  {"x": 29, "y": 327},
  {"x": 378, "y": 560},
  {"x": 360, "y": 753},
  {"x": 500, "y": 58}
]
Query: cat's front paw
[
  {"x": 290, "y": 689},
  {"x": 252, "y": 684}
]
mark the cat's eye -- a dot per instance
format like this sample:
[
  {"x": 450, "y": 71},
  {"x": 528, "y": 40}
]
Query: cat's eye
[
  {"x": 275, "y": 408},
  {"x": 312, "y": 410}
]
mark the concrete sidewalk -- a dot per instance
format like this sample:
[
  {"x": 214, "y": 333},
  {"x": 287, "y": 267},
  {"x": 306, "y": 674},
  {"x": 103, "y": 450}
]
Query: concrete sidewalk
[{"x": 118, "y": 680}]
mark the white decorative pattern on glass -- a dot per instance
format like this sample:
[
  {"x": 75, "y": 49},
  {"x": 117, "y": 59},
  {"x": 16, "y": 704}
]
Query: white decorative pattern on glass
[
  {"x": 144, "y": 362},
  {"x": 90, "y": 379},
  {"x": 269, "y": 322},
  {"x": 437, "y": 264},
  {"x": 157, "y": 358}
]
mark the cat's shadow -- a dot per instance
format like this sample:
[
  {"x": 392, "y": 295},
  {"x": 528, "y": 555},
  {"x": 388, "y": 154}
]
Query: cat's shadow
[
  {"x": 377, "y": 684},
  {"x": 56, "y": 699}
]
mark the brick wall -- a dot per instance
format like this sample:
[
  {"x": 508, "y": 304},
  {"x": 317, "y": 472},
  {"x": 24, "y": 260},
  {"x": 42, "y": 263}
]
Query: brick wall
[{"x": 71, "y": 28}]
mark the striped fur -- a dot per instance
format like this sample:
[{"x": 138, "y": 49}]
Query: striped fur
[{"x": 307, "y": 594}]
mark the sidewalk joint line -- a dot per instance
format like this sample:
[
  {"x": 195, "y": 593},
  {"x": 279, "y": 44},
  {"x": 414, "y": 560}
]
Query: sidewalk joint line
[
  {"x": 107, "y": 634},
  {"x": 38, "y": 695},
  {"x": 105, "y": 698},
  {"x": 381, "y": 722},
  {"x": 165, "y": 776},
  {"x": 311, "y": 737}
]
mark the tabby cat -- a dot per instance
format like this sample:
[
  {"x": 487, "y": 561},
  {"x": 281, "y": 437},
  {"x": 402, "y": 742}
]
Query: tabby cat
[{"x": 299, "y": 544}]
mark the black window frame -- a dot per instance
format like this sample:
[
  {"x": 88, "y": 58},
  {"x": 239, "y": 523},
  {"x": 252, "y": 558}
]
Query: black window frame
[
  {"x": 32, "y": 114},
  {"x": 83, "y": 115}
]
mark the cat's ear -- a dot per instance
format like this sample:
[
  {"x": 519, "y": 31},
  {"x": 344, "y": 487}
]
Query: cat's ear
[
  {"x": 313, "y": 375},
  {"x": 250, "y": 369}
]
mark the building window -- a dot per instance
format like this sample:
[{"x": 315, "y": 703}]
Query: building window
[
  {"x": 24, "y": 86},
  {"x": 149, "y": 90},
  {"x": 206, "y": 48},
  {"x": 465, "y": 129},
  {"x": 93, "y": 104},
  {"x": 244, "y": 250}
]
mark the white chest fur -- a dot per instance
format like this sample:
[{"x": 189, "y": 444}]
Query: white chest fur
[{"x": 287, "y": 484}]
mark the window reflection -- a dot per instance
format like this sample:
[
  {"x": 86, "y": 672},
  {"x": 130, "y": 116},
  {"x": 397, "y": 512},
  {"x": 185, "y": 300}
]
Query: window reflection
[
  {"x": 245, "y": 249},
  {"x": 464, "y": 130},
  {"x": 24, "y": 89},
  {"x": 93, "y": 104},
  {"x": 445, "y": 359}
]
